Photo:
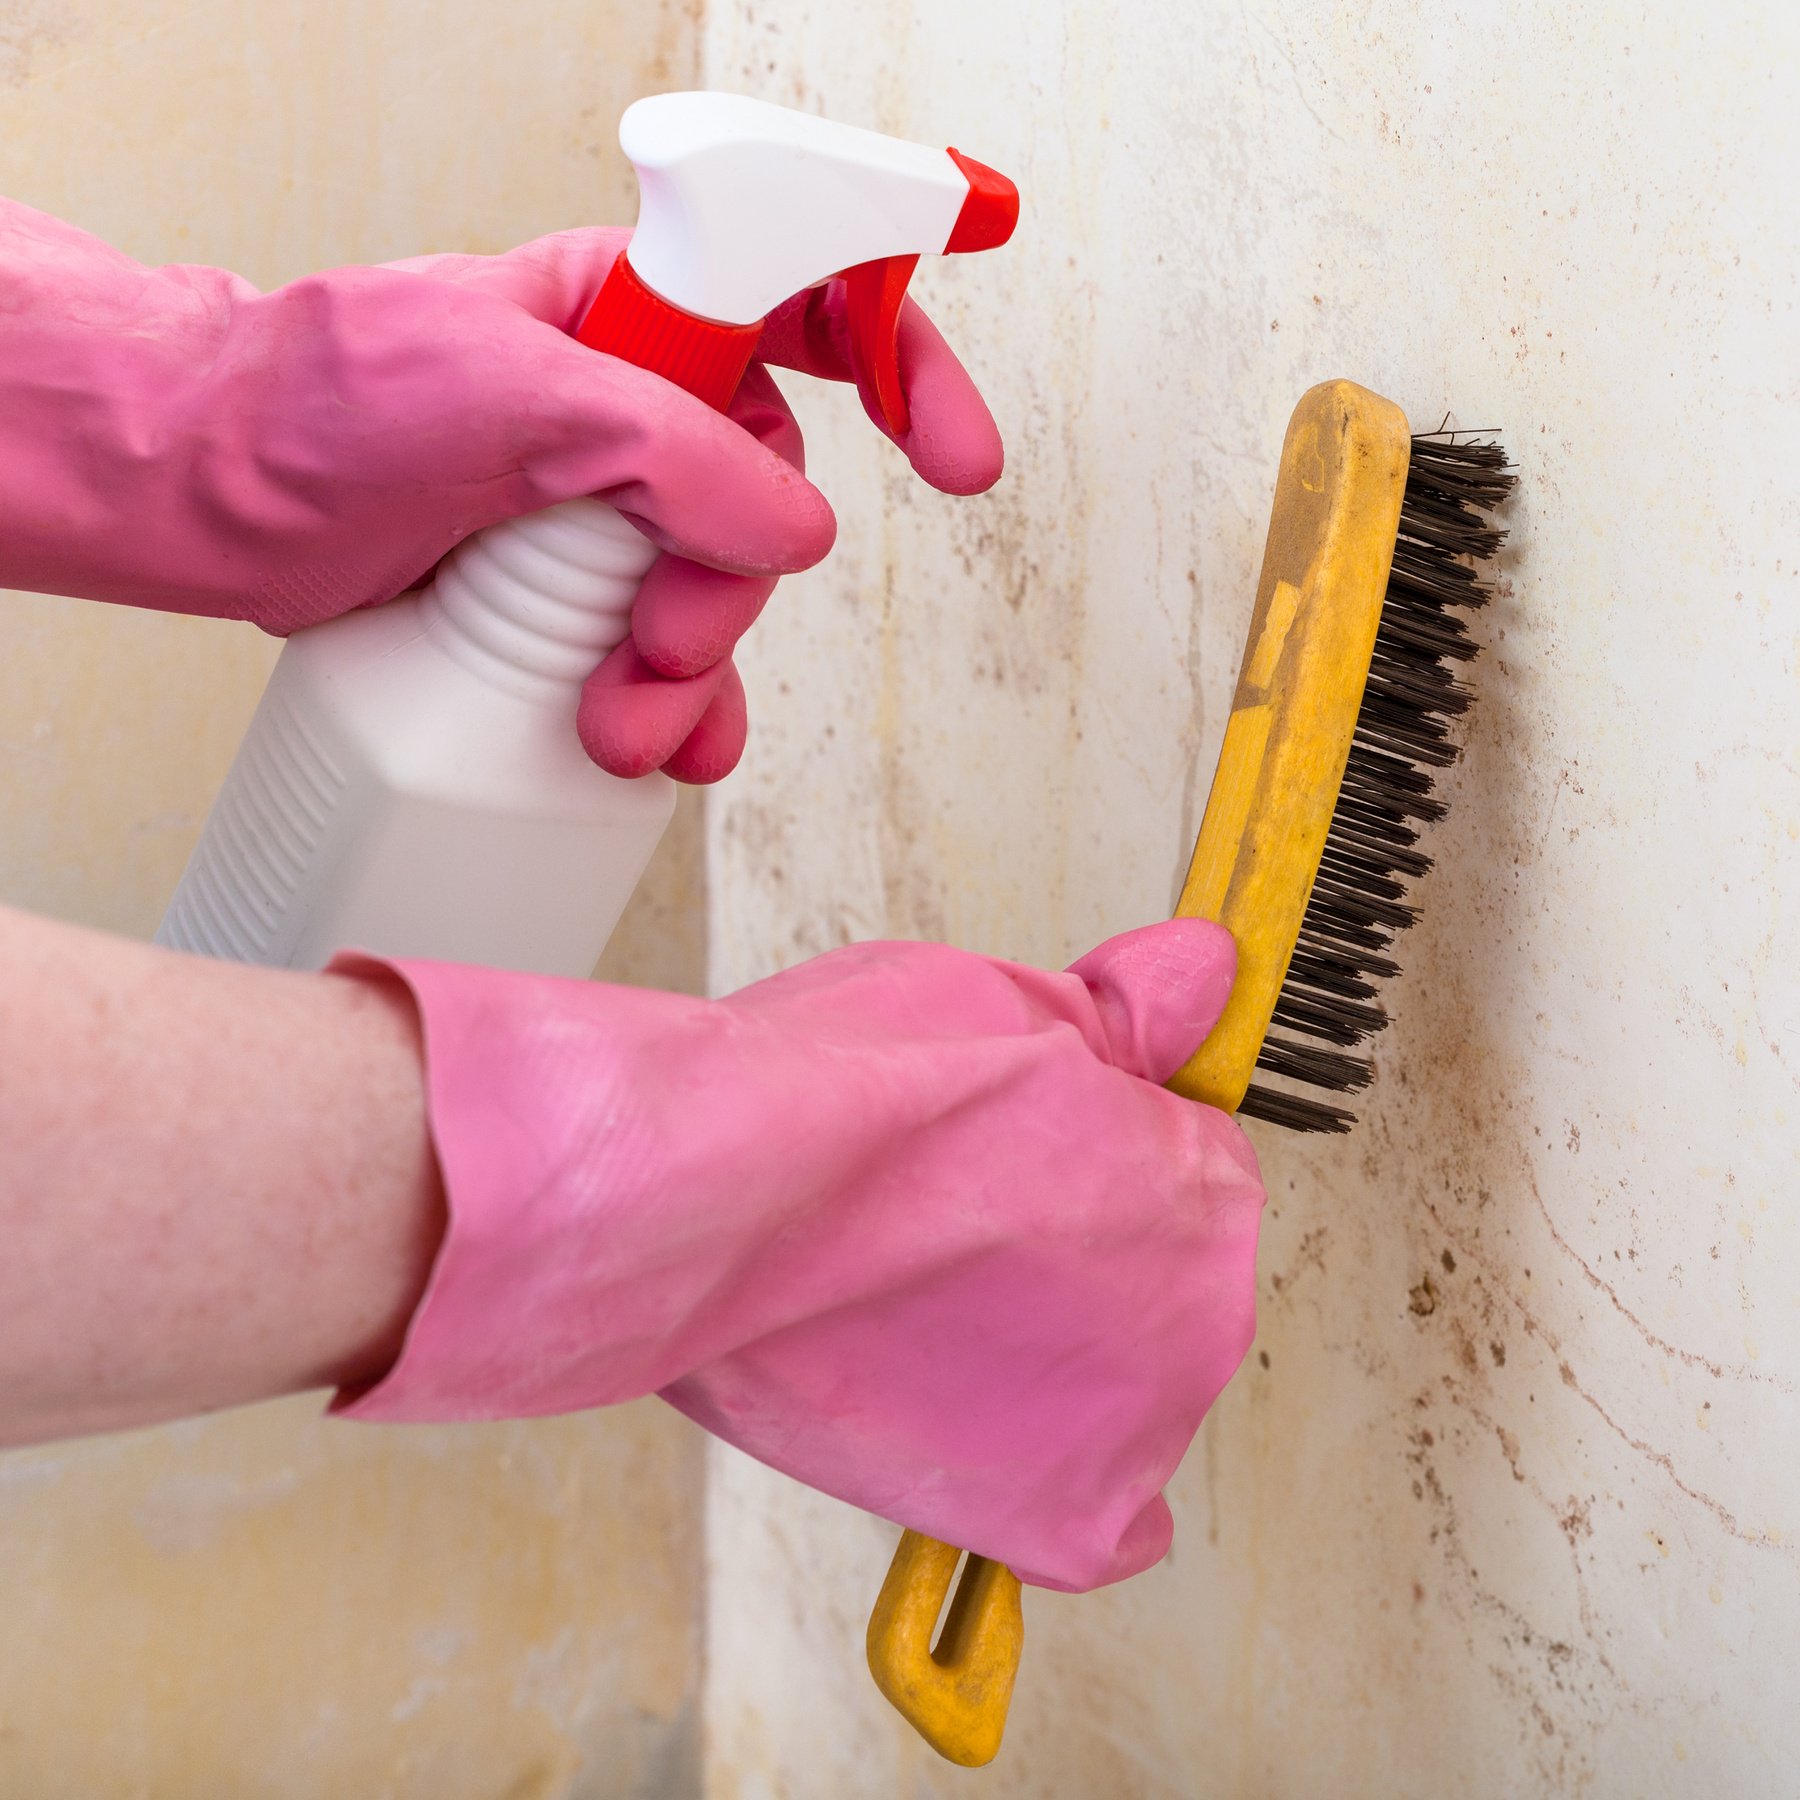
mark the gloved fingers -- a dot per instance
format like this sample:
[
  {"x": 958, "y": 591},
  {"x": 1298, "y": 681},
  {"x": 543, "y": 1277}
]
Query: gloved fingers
[
  {"x": 1145, "y": 1541},
  {"x": 711, "y": 750},
  {"x": 951, "y": 440},
  {"x": 694, "y": 481},
  {"x": 632, "y": 720},
  {"x": 761, "y": 408},
  {"x": 687, "y": 617},
  {"x": 727, "y": 491},
  {"x": 686, "y": 620},
  {"x": 1158, "y": 991},
  {"x": 1142, "y": 1545},
  {"x": 553, "y": 278}
]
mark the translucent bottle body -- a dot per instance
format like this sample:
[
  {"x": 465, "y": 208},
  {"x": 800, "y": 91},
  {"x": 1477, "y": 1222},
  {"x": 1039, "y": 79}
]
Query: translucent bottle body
[{"x": 412, "y": 783}]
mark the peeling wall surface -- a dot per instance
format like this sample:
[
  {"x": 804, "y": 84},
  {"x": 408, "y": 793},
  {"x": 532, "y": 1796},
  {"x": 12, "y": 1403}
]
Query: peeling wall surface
[
  {"x": 1504, "y": 1501},
  {"x": 267, "y": 1602}
]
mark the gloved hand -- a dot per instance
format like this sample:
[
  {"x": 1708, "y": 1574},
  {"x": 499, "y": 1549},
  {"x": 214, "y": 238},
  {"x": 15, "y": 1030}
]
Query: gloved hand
[
  {"x": 670, "y": 696},
  {"x": 916, "y": 1226},
  {"x": 172, "y": 438}
]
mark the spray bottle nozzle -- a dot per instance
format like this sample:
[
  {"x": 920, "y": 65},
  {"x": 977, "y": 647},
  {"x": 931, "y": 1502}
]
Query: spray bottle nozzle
[
  {"x": 744, "y": 204},
  {"x": 989, "y": 213}
]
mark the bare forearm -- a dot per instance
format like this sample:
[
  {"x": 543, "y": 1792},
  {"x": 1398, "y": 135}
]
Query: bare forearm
[{"x": 216, "y": 1183}]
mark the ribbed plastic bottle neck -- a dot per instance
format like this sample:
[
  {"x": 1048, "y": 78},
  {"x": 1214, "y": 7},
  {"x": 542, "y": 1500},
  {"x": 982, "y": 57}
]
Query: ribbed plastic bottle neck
[{"x": 534, "y": 603}]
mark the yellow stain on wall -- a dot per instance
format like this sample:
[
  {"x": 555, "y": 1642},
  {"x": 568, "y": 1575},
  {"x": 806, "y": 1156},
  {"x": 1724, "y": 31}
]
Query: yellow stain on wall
[
  {"x": 274, "y": 1603},
  {"x": 267, "y": 1602},
  {"x": 116, "y": 728}
]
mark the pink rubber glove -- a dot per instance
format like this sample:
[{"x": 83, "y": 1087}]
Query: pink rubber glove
[
  {"x": 670, "y": 696},
  {"x": 172, "y": 438},
  {"x": 673, "y": 681},
  {"x": 917, "y": 1227}
]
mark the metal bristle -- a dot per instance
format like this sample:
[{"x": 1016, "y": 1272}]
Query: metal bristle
[{"x": 1328, "y": 1002}]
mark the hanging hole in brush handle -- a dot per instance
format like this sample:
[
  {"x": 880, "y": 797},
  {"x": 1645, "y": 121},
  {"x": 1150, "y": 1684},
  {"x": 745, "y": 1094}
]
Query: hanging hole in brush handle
[{"x": 954, "y": 1694}]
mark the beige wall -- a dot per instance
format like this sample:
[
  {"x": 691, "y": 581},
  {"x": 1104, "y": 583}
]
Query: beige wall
[
  {"x": 264, "y": 1602},
  {"x": 1504, "y": 1502}
]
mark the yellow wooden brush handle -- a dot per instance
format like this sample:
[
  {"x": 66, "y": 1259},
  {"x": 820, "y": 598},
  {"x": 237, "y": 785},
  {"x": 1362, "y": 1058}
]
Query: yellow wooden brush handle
[
  {"x": 1324, "y": 575},
  {"x": 1318, "y": 603},
  {"x": 956, "y": 1694}
]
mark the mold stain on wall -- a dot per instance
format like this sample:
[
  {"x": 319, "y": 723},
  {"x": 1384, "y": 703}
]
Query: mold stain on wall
[{"x": 1499, "y": 1503}]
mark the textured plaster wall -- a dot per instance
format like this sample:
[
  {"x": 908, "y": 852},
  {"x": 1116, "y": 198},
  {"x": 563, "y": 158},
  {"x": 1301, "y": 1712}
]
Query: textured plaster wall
[
  {"x": 1505, "y": 1499},
  {"x": 265, "y": 1603}
]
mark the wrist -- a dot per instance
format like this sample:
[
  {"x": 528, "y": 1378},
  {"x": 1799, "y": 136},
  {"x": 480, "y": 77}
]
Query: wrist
[{"x": 367, "y": 1316}]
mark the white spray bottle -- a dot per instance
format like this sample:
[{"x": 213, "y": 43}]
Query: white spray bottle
[{"x": 412, "y": 783}]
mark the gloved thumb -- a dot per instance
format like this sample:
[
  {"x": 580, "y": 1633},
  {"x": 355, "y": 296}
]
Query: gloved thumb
[{"x": 1158, "y": 991}]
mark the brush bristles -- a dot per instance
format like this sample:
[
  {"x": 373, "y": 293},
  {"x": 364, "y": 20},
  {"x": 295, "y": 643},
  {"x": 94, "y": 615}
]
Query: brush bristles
[{"x": 1328, "y": 1003}]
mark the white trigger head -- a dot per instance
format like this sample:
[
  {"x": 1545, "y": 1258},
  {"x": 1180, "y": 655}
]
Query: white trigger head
[{"x": 743, "y": 204}]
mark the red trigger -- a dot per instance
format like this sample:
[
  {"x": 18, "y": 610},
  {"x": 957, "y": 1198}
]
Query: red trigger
[{"x": 872, "y": 293}]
